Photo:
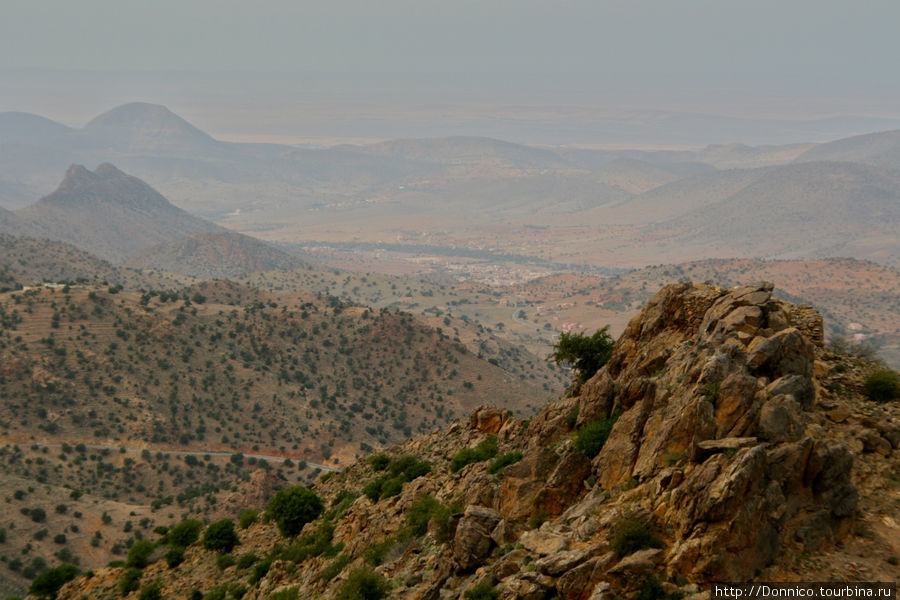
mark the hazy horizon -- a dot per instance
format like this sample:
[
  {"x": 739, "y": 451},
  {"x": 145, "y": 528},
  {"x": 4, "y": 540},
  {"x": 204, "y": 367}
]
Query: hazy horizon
[{"x": 527, "y": 71}]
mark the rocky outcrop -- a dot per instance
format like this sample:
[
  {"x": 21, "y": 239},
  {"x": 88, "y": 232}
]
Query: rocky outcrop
[{"x": 724, "y": 378}]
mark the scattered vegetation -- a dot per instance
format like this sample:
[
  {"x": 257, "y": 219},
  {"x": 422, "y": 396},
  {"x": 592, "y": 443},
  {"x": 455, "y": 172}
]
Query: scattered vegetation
[{"x": 400, "y": 470}]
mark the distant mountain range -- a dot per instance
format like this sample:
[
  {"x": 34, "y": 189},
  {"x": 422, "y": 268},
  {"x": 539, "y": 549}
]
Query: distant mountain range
[{"x": 800, "y": 200}]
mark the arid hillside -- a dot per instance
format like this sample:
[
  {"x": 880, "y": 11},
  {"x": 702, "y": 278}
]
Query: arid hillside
[{"x": 290, "y": 374}]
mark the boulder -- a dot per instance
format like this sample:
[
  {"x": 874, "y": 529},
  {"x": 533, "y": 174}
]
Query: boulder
[
  {"x": 488, "y": 419},
  {"x": 543, "y": 542},
  {"x": 526, "y": 586},
  {"x": 780, "y": 420},
  {"x": 472, "y": 542}
]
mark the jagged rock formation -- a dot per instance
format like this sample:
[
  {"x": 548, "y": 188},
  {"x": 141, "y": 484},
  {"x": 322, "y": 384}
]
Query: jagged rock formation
[{"x": 728, "y": 459}]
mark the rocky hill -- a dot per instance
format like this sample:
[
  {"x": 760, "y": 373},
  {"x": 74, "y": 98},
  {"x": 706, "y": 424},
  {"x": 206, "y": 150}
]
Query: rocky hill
[
  {"x": 30, "y": 261},
  {"x": 199, "y": 370},
  {"x": 879, "y": 149},
  {"x": 141, "y": 128},
  {"x": 719, "y": 443},
  {"x": 109, "y": 213},
  {"x": 216, "y": 256}
]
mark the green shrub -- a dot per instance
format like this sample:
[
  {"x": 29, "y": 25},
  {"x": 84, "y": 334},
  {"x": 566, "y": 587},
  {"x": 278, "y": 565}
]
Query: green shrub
[
  {"x": 420, "y": 514},
  {"x": 586, "y": 354},
  {"x": 372, "y": 490},
  {"x": 650, "y": 589},
  {"x": 391, "y": 487},
  {"x": 151, "y": 591},
  {"x": 48, "y": 583},
  {"x": 259, "y": 570},
  {"x": 317, "y": 543},
  {"x": 247, "y": 560},
  {"x": 130, "y": 581},
  {"x": 38, "y": 515},
  {"x": 247, "y": 517},
  {"x": 483, "y": 451},
  {"x": 632, "y": 535},
  {"x": 375, "y": 553},
  {"x": 334, "y": 567},
  {"x": 503, "y": 461},
  {"x": 483, "y": 590},
  {"x": 223, "y": 561},
  {"x": 220, "y": 536},
  {"x": 342, "y": 501},
  {"x": 363, "y": 584},
  {"x": 174, "y": 556},
  {"x": 592, "y": 435},
  {"x": 139, "y": 554},
  {"x": 379, "y": 461},
  {"x": 285, "y": 594},
  {"x": 185, "y": 533},
  {"x": 882, "y": 385},
  {"x": 292, "y": 508}
]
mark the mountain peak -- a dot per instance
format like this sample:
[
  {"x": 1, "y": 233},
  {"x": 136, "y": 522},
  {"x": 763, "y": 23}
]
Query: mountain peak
[
  {"x": 110, "y": 213},
  {"x": 108, "y": 170},
  {"x": 142, "y": 127}
]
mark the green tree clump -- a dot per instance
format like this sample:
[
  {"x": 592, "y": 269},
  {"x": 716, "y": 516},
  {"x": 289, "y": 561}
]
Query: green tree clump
[
  {"x": 882, "y": 385},
  {"x": 185, "y": 533},
  {"x": 379, "y": 461},
  {"x": 292, "y": 508},
  {"x": 220, "y": 536},
  {"x": 585, "y": 353},
  {"x": 139, "y": 554},
  {"x": 48, "y": 583}
]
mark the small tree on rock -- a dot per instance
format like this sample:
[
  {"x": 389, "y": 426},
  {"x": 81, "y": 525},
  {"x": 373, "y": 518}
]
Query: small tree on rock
[{"x": 585, "y": 353}]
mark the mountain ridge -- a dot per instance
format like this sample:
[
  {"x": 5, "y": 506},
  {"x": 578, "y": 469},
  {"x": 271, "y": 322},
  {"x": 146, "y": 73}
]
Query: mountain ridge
[{"x": 109, "y": 213}]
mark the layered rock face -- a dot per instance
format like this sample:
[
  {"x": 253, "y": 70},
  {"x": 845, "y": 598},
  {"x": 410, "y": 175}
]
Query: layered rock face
[
  {"x": 727, "y": 459},
  {"x": 724, "y": 379}
]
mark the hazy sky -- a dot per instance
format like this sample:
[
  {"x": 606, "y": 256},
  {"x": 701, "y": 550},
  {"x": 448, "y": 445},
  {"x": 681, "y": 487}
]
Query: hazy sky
[
  {"x": 840, "y": 40},
  {"x": 536, "y": 71}
]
